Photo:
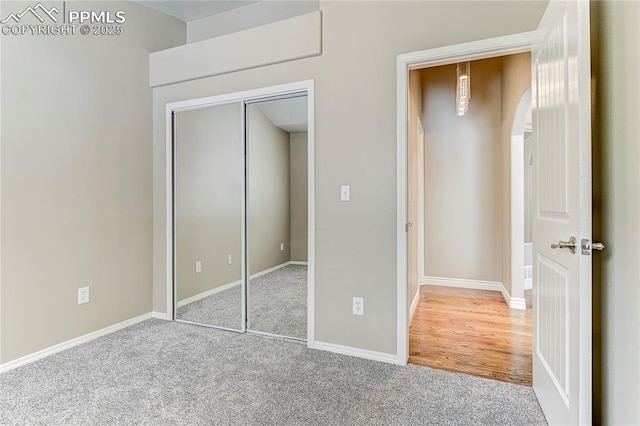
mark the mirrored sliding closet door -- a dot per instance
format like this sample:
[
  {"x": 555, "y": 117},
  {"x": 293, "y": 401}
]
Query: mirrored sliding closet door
[
  {"x": 208, "y": 216},
  {"x": 277, "y": 200}
]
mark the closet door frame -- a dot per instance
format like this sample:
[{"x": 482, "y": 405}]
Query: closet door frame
[{"x": 297, "y": 88}]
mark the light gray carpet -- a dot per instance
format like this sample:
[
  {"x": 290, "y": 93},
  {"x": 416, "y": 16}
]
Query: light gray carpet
[
  {"x": 170, "y": 373},
  {"x": 277, "y": 304},
  {"x": 223, "y": 309}
]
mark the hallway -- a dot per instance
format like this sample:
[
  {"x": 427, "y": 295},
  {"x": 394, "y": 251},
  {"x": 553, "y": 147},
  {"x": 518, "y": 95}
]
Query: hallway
[{"x": 473, "y": 332}]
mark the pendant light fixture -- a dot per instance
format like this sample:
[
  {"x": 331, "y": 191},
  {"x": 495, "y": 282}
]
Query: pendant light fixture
[{"x": 463, "y": 88}]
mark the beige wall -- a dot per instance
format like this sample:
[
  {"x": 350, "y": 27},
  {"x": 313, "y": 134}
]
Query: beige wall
[
  {"x": 355, "y": 144},
  {"x": 463, "y": 177},
  {"x": 77, "y": 178},
  {"x": 528, "y": 189},
  {"x": 208, "y": 176},
  {"x": 616, "y": 151},
  {"x": 268, "y": 208},
  {"x": 299, "y": 199},
  {"x": 248, "y": 16},
  {"x": 516, "y": 72},
  {"x": 415, "y": 186}
]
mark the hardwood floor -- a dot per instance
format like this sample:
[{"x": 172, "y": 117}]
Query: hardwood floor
[{"x": 473, "y": 332}]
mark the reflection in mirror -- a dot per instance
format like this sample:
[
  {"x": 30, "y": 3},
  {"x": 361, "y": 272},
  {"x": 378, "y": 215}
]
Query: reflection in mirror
[
  {"x": 208, "y": 188},
  {"x": 276, "y": 137}
]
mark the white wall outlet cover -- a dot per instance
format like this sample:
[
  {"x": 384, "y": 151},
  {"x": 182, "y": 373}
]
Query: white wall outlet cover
[
  {"x": 358, "y": 306},
  {"x": 345, "y": 192},
  {"x": 229, "y": 260},
  {"x": 281, "y": 246},
  {"x": 83, "y": 295},
  {"x": 198, "y": 267}
]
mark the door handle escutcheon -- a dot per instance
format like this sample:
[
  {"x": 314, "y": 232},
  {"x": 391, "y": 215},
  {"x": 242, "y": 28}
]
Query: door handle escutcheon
[{"x": 571, "y": 245}]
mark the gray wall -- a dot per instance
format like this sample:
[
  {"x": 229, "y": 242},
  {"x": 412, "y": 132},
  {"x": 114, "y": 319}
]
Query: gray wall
[
  {"x": 516, "y": 79},
  {"x": 355, "y": 144},
  {"x": 298, "y": 166},
  {"x": 463, "y": 177},
  {"x": 415, "y": 186},
  {"x": 208, "y": 176},
  {"x": 528, "y": 189},
  {"x": 77, "y": 178},
  {"x": 245, "y": 17},
  {"x": 616, "y": 152},
  {"x": 268, "y": 197}
]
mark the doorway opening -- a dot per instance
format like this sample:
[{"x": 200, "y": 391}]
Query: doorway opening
[
  {"x": 562, "y": 200},
  {"x": 468, "y": 307}
]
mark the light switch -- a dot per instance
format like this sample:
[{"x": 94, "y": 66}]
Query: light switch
[{"x": 345, "y": 192}]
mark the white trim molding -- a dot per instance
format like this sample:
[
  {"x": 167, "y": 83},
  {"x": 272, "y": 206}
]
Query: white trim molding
[
  {"x": 414, "y": 305},
  {"x": 528, "y": 284},
  {"x": 298, "y": 262},
  {"x": 512, "y": 302},
  {"x": 27, "y": 359},
  {"x": 463, "y": 283},
  {"x": 474, "y": 50},
  {"x": 207, "y": 293},
  {"x": 270, "y": 270},
  {"x": 360, "y": 353},
  {"x": 161, "y": 316}
]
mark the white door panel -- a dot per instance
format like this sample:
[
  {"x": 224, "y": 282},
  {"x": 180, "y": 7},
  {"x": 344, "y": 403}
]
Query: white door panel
[{"x": 562, "y": 205}]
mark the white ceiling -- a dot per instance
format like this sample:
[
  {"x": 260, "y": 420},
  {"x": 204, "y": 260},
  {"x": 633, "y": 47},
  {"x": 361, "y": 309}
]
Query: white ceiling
[
  {"x": 190, "y": 10},
  {"x": 288, "y": 114}
]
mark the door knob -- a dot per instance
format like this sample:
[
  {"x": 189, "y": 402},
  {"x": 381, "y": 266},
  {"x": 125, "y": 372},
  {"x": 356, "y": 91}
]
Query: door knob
[{"x": 571, "y": 245}]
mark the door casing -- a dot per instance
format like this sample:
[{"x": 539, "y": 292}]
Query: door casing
[{"x": 471, "y": 51}]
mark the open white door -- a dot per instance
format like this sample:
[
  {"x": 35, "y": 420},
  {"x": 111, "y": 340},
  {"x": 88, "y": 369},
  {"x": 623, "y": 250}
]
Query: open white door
[{"x": 562, "y": 205}]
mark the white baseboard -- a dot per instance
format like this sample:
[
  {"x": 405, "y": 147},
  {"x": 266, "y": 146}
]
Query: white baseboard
[
  {"x": 27, "y": 359},
  {"x": 270, "y": 270},
  {"x": 207, "y": 293},
  {"x": 298, "y": 262},
  {"x": 161, "y": 316},
  {"x": 462, "y": 283},
  {"x": 414, "y": 305},
  {"x": 512, "y": 302},
  {"x": 360, "y": 353},
  {"x": 528, "y": 283}
]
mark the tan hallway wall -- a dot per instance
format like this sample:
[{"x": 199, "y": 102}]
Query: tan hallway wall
[
  {"x": 299, "y": 195},
  {"x": 516, "y": 79},
  {"x": 415, "y": 187},
  {"x": 463, "y": 177}
]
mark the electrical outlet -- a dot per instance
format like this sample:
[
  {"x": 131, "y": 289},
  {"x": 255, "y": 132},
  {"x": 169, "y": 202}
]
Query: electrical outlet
[
  {"x": 83, "y": 295},
  {"x": 281, "y": 246},
  {"x": 358, "y": 306},
  {"x": 229, "y": 260},
  {"x": 198, "y": 267}
]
